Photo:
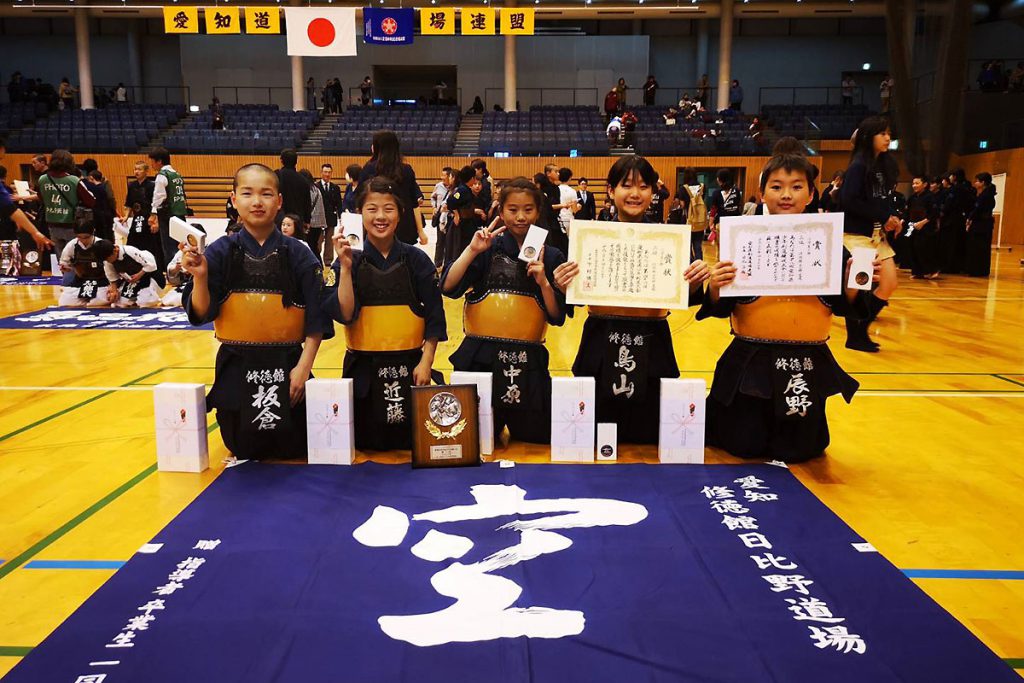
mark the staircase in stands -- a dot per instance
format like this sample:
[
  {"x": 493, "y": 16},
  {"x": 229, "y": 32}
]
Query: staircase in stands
[
  {"x": 467, "y": 140},
  {"x": 313, "y": 145}
]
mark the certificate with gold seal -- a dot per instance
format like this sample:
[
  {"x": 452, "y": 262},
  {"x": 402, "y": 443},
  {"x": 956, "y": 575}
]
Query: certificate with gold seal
[
  {"x": 445, "y": 426},
  {"x": 634, "y": 265}
]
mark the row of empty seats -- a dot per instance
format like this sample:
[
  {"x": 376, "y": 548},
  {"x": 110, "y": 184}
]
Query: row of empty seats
[
  {"x": 118, "y": 128},
  {"x": 427, "y": 130},
  {"x": 827, "y": 121}
]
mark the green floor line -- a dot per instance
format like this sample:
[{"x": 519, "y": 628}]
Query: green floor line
[
  {"x": 1015, "y": 663},
  {"x": 12, "y": 564},
  {"x": 76, "y": 406},
  {"x": 14, "y": 651}
]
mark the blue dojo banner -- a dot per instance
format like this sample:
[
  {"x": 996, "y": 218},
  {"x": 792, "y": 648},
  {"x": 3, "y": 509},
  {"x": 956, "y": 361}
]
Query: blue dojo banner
[
  {"x": 540, "y": 573},
  {"x": 101, "y": 319}
]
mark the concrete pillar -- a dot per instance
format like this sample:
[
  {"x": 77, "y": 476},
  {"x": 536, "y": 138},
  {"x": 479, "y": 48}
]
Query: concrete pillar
[
  {"x": 298, "y": 85},
  {"x": 702, "y": 49},
  {"x": 135, "y": 65},
  {"x": 84, "y": 61},
  {"x": 725, "y": 54},
  {"x": 510, "y": 68}
]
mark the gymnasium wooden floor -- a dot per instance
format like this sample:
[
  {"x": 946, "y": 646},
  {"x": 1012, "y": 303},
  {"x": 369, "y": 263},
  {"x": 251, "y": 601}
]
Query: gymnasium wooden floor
[{"x": 926, "y": 463}]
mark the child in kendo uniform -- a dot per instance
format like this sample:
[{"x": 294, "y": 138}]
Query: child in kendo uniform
[
  {"x": 509, "y": 305},
  {"x": 130, "y": 272},
  {"x": 262, "y": 291},
  {"x": 629, "y": 350},
  {"x": 769, "y": 390},
  {"x": 466, "y": 214},
  {"x": 387, "y": 298},
  {"x": 89, "y": 284}
]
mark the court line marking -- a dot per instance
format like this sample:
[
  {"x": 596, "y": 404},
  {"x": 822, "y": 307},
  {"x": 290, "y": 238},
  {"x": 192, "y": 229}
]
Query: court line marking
[
  {"x": 986, "y": 574},
  {"x": 52, "y": 537},
  {"x": 1011, "y": 381},
  {"x": 146, "y": 387},
  {"x": 939, "y": 393},
  {"x": 64, "y": 411},
  {"x": 74, "y": 564}
]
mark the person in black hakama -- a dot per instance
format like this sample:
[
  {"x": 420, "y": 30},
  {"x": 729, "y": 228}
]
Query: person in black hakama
[
  {"x": 629, "y": 350},
  {"x": 768, "y": 394},
  {"x": 387, "y": 297},
  {"x": 980, "y": 224},
  {"x": 922, "y": 222},
  {"x": 509, "y": 305},
  {"x": 262, "y": 291}
]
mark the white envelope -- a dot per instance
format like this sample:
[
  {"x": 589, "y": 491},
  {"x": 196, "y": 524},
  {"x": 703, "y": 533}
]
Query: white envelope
[
  {"x": 329, "y": 422},
  {"x": 483, "y": 382},
  {"x": 352, "y": 228},
  {"x": 681, "y": 423},
  {"x": 181, "y": 437},
  {"x": 607, "y": 441},
  {"x": 573, "y": 419}
]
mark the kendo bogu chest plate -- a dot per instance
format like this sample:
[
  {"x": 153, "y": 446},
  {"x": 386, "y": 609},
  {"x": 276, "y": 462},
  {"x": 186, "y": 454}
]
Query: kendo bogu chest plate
[
  {"x": 387, "y": 319},
  {"x": 253, "y": 313},
  {"x": 508, "y": 307}
]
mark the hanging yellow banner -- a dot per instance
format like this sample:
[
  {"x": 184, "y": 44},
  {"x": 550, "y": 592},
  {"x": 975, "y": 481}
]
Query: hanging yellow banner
[
  {"x": 262, "y": 20},
  {"x": 181, "y": 19},
  {"x": 222, "y": 20},
  {"x": 478, "y": 22},
  {"x": 516, "y": 21},
  {"x": 437, "y": 22}
]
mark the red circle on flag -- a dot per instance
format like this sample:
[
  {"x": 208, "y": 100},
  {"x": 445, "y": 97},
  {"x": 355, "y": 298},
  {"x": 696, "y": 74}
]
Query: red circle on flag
[
  {"x": 320, "y": 32},
  {"x": 389, "y": 26}
]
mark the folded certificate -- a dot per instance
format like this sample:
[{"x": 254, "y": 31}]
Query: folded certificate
[
  {"x": 788, "y": 255},
  {"x": 637, "y": 265}
]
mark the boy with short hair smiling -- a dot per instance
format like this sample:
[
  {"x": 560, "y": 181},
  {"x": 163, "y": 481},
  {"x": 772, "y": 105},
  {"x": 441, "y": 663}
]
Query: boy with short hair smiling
[{"x": 262, "y": 291}]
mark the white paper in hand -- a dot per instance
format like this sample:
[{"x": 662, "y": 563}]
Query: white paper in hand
[
  {"x": 533, "y": 243},
  {"x": 183, "y": 233},
  {"x": 861, "y": 269},
  {"x": 352, "y": 229}
]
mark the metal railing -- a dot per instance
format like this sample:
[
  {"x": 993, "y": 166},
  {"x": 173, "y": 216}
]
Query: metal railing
[
  {"x": 543, "y": 97},
  {"x": 387, "y": 96},
  {"x": 667, "y": 96},
  {"x": 794, "y": 95},
  {"x": 254, "y": 94},
  {"x": 149, "y": 94}
]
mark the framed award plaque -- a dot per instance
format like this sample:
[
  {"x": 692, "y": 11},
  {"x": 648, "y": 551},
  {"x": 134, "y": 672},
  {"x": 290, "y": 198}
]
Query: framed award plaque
[{"x": 445, "y": 426}]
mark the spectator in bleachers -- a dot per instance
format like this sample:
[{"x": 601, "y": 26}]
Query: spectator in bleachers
[
  {"x": 365, "y": 91},
  {"x": 440, "y": 218},
  {"x": 650, "y": 90},
  {"x": 66, "y": 93},
  {"x": 317, "y": 217},
  {"x": 629, "y": 124},
  {"x": 587, "y": 207},
  {"x": 352, "y": 172},
  {"x": 169, "y": 200},
  {"x": 61, "y": 193},
  {"x": 121, "y": 94},
  {"x": 1016, "y": 80},
  {"x": 703, "y": 90},
  {"x": 885, "y": 91},
  {"x": 614, "y": 129},
  {"x": 736, "y": 96},
  {"x": 386, "y": 161},
  {"x": 338, "y": 94},
  {"x": 477, "y": 107},
  {"x": 15, "y": 88},
  {"x": 310, "y": 94},
  {"x": 328, "y": 97},
  {"x": 848, "y": 86},
  {"x": 620, "y": 89},
  {"x": 756, "y": 130},
  {"x": 611, "y": 105},
  {"x": 440, "y": 88},
  {"x": 294, "y": 188}
]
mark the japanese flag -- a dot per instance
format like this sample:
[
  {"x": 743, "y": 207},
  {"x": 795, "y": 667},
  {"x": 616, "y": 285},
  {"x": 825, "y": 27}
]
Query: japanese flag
[{"x": 316, "y": 32}]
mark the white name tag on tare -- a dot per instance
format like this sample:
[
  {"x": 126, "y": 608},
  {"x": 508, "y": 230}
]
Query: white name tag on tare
[
  {"x": 864, "y": 548},
  {"x": 861, "y": 269},
  {"x": 532, "y": 244},
  {"x": 352, "y": 228}
]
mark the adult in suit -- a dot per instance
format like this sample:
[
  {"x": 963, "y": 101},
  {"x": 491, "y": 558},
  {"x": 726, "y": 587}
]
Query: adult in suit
[
  {"x": 331, "y": 194},
  {"x": 294, "y": 189},
  {"x": 588, "y": 207}
]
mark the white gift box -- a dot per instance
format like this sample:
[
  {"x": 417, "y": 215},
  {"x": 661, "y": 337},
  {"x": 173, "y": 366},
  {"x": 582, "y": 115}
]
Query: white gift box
[
  {"x": 181, "y": 438},
  {"x": 573, "y": 419},
  {"x": 483, "y": 382},
  {"x": 681, "y": 428},
  {"x": 607, "y": 441},
  {"x": 329, "y": 418}
]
